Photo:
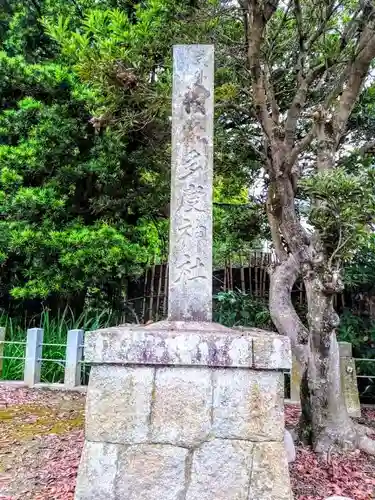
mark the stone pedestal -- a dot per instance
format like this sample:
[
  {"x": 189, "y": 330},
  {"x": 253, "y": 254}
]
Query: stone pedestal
[{"x": 185, "y": 411}]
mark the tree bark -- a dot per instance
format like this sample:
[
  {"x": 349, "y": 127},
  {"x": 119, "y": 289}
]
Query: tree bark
[
  {"x": 283, "y": 314},
  {"x": 325, "y": 422}
]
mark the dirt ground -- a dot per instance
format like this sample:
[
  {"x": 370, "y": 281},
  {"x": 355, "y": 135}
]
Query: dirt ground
[
  {"x": 350, "y": 475},
  {"x": 41, "y": 437}
]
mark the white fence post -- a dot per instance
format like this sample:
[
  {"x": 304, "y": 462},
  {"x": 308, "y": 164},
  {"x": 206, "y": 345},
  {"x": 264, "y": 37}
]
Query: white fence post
[
  {"x": 2, "y": 339},
  {"x": 74, "y": 355},
  {"x": 33, "y": 363}
]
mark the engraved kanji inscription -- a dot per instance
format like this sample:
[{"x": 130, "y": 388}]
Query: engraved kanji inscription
[
  {"x": 191, "y": 271},
  {"x": 191, "y": 198},
  {"x": 195, "y": 98},
  {"x": 201, "y": 231},
  {"x": 183, "y": 268},
  {"x": 194, "y": 128},
  {"x": 201, "y": 54},
  {"x": 190, "y": 261},
  {"x": 198, "y": 270},
  {"x": 186, "y": 228},
  {"x": 190, "y": 164}
]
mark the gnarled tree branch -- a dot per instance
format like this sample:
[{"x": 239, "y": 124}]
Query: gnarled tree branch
[
  {"x": 356, "y": 75},
  {"x": 302, "y": 145},
  {"x": 282, "y": 311},
  {"x": 331, "y": 9},
  {"x": 257, "y": 16}
]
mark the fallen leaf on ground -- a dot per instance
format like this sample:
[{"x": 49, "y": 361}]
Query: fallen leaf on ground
[{"x": 42, "y": 437}]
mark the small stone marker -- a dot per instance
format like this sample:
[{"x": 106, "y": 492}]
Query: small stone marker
[
  {"x": 190, "y": 254},
  {"x": 289, "y": 446},
  {"x": 348, "y": 380},
  {"x": 186, "y": 409}
]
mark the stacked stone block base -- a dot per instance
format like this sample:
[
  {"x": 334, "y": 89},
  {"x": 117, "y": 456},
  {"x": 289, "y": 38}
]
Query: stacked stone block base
[{"x": 185, "y": 412}]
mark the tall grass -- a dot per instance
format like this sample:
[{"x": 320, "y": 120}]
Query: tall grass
[
  {"x": 230, "y": 309},
  {"x": 55, "y": 333}
]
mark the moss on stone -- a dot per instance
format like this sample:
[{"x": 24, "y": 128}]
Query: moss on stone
[{"x": 22, "y": 422}]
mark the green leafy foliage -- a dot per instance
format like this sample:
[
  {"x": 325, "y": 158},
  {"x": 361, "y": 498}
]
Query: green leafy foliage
[
  {"x": 234, "y": 308},
  {"x": 85, "y": 91},
  {"x": 127, "y": 59},
  {"x": 360, "y": 332},
  {"x": 359, "y": 273},
  {"x": 342, "y": 207},
  {"x": 75, "y": 204}
]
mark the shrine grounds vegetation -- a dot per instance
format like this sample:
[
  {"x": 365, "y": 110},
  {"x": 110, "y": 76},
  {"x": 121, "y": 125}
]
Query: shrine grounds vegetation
[{"x": 85, "y": 90}]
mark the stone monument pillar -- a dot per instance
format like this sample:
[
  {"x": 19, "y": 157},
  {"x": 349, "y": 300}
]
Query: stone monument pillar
[
  {"x": 190, "y": 241},
  {"x": 186, "y": 409}
]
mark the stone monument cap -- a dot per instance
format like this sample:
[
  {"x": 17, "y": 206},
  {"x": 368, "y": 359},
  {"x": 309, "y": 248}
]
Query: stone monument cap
[{"x": 188, "y": 344}]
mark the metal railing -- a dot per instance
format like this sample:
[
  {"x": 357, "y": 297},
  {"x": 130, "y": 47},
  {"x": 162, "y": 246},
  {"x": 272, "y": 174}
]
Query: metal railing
[
  {"x": 73, "y": 361},
  {"x": 33, "y": 356},
  {"x": 366, "y": 360}
]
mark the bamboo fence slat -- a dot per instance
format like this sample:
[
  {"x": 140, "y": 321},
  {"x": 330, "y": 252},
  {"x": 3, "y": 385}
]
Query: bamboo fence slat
[
  {"x": 250, "y": 278},
  {"x": 160, "y": 278},
  {"x": 242, "y": 271},
  {"x": 248, "y": 273},
  {"x": 144, "y": 297},
  {"x": 165, "y": 298},
  {"x": 225, "y": 277},
  {"x": 151, "y": 293}
]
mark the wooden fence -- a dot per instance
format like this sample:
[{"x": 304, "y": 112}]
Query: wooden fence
[{"x": 148, "y": 295}]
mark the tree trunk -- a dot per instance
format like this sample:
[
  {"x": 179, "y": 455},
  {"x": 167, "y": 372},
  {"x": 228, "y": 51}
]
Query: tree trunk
[
  {"x": 283, "y": 313},
  {"x": 325, "y": 422},
  {"x": 371, "y": 306},
  {"x": 324, "y": 415}
]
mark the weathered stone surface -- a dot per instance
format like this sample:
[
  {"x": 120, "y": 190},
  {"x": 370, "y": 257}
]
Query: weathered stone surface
[
  {"x": 295, "y": 380},
  {"x": 248, "y": 405},
  {"x": 118, "y": 404},
  {"x": 190, "y": 245},
  {"x": 272, "y": 353},
  {"x": 345, "y": 349},
  {"x": 205, "y": 344},
  {"x": 270, "y": 474},
  {"x": 182, "y": 401},
  {"x": 349, "y": 386},
  {"x": 97, "y": 472},
  {"x": 289, "y": 447},
  {"x": 221, "y": 470},
  {"x": 147, "y": 472},
  {"x": 186, "y": 344}
]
